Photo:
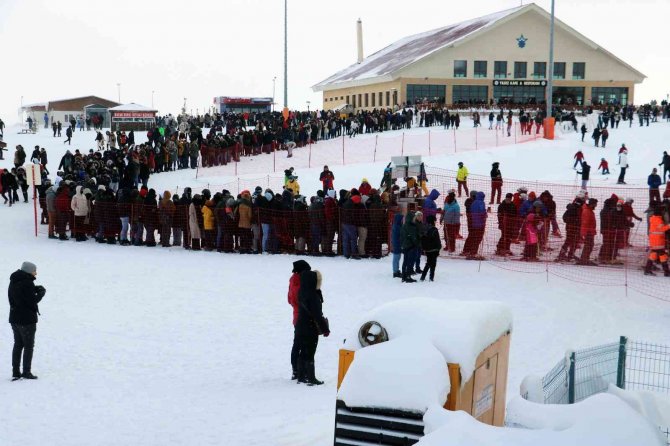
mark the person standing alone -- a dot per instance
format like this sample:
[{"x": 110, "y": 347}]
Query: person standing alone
[{"x": 24, "y": 296}]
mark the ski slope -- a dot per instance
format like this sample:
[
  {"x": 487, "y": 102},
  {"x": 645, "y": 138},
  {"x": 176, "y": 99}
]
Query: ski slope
[{"x": 156, "y": 346}]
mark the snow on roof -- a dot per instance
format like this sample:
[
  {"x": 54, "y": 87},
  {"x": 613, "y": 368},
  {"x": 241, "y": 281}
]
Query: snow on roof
[
  {"x": 413, "y": 48},
  {"x": 602, "y": 419},
  {"x": 460, "y": 330},
  {"x": 132, "y": 107},
  {"x": 406, "y": 373}
]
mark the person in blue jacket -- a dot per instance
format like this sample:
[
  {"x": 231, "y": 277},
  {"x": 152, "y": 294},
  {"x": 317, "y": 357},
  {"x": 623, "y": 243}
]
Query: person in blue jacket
[
  {"x": 451, "y": 217},
  {"x": 429, "y": 206},
  {"x": 478, "y": 215},
  {"x": 396, "y": 244},
  {"x": 654, "y": 182}
]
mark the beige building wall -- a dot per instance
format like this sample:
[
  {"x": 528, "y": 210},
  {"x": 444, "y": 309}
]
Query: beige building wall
[{"x": 500, "y": 44}]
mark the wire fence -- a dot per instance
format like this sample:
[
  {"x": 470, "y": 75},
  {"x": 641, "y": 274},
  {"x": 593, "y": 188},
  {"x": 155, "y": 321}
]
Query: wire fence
[
  {"x": 620, "y": 252},
  {"x": 238, "y": 159},
  {"x": 630, "y": 365}
]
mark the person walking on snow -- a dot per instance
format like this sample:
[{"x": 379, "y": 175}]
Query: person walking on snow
[
  {"x": 24, "y": 296},
  {"x": 583, "y": 130},
  {"x": 462, "y": 179},
  {"x": 579, "y": 158}
]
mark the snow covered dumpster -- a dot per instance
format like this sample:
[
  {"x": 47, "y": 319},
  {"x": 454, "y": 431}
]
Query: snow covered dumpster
[{"x": 406, "y": 356}]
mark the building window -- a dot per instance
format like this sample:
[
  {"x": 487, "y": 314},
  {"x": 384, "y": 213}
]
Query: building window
[
  {"x": 380, "y": 101},
  {"x": 568, "y": 95},
  {"x": 460, "y": 68},
  {"x": 360, "y": 100},
  {"x": 373, "y": 97},
  {"x": 518, "y": 94},
  {"x": 520, "y": 70},
  {"x": 418, "y": 93},
  {"x": 470, "y": 94},
  {"x": 388, "y": 98},
  {"x": 367, "y": 103},
  {"x": 539, "y": 70},
  {"x": 353, "y": 101},
  {"x": 559, "y": 70},
  {"x": 500, "y": 69},
  {"x": 480, "y": 68},
  {"x": 609, "y": 95},
  {"x": 578, "y": 70}
]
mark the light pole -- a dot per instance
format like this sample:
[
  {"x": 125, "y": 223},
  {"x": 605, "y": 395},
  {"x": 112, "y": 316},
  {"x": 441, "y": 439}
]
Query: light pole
[
  {"x": 152, "y": 98},
  {"x": 274, "y": 81},
  {"x": 285, "y": 54},
  {"x": 118, "y": 89},
  {"x": 550, "y": 78}
]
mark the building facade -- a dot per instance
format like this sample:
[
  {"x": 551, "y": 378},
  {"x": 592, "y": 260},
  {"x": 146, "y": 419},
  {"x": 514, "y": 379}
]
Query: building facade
[
  {"x": 64, "y": 110},
  {"x": 502, "y": 58}
]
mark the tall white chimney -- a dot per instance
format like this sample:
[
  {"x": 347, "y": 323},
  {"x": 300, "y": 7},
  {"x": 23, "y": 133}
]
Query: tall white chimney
[{"x": 359, "y": 39}]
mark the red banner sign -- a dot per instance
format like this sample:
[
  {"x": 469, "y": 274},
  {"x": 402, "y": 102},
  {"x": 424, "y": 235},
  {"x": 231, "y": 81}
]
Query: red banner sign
[{"x": 133, "y": 114}]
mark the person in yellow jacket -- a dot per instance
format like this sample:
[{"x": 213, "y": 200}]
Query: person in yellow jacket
[
  {"x": 209, "y": 224},
  {"x": 657, "y": 251},
  {"x": 462, "y": 179},
  {"x": 293, "y": 184}
]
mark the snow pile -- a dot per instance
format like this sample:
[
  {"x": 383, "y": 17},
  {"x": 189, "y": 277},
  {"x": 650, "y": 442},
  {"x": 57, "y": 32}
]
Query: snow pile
[
  {"x": 600, "y": 420},
  {"x": 460, "y": 330},
  {"x": 406, "y": 373},
  {"x": 652, "y": 405}
]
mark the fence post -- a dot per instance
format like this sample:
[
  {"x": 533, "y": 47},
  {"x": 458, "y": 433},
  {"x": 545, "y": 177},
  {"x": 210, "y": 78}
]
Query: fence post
[
  {"x": 274, "y": 158},
  {"x": 454, "y": 129},
  {"x": 621, "y": 366},
  {"x": 428, "y": 142},
  {"x": 309, "y": 164},
  {"x": 343, "y": 148},
  {"x": 402, "y": 145},
  {"x": 374, "y": 155},
  {"x": 476, "y": 133},
  {"x": 571, "y": 379}
]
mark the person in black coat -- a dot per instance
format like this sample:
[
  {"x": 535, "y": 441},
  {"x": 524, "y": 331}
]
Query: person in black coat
[
  {"x": 309, "y": 325},
  {"x": 430, "y": 243},
  {"x": 24, "y": 296}
]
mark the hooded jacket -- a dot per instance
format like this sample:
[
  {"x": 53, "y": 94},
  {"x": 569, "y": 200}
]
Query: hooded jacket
[
  {"x": 429, "y": 206},
  {"x": 79, "y": 203},
  {"x": 451, "y": 212},
  {"x": 478, "y": 212}
]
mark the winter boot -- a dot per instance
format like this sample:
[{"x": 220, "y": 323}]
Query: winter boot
[
  {"x": 28, "y": 375},
  {"x": 648, "y": 266},
  {"x": 195, "y": 244},
  {"x": 311, "y": 379},
  {"x": 397, "y": 275},
  {"x": 302, "y": 372},
  {"x": 666, "y": 270},
  {"x": 407, "y": 278},
  {"x": 294, "y": 375}
]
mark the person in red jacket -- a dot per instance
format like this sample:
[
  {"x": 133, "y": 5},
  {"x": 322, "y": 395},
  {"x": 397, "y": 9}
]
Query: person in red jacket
[
  {"x": 604, "y": 165},
  {"x": 588, "y": 231},
  {"x": 293, "y": 288},
  {"x": 579, "y": 157},
  {"x": 365, "y": 187}
]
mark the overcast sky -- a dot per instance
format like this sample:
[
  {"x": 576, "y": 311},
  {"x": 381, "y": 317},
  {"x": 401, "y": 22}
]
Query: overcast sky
[{"x": 201, "y": 49}]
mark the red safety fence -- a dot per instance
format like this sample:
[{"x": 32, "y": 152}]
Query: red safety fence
[
  {"x": 620, "y": 252},
  {"x": 365, "y": 148}
]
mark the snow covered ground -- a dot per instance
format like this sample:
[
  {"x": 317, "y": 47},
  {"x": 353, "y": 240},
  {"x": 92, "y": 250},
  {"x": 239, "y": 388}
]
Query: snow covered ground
[{"x": 160, "y": 346}]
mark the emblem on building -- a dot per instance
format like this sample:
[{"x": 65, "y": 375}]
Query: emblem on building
[{"x": 521, "y": 41}]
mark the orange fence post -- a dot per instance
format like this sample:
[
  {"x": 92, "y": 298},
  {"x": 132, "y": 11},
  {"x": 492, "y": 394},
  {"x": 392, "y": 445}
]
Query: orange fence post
[
  {"x": 549, "y": 124},
  {"x": 429, "y": 142},
  {"x": 374, "y": 155}
]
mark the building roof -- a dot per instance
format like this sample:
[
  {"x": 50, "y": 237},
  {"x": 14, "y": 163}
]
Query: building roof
[
  {"x": 132, "y": 107},
  {"x": 79, "y": 103},
  {"x": 382, "y": 65}
]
